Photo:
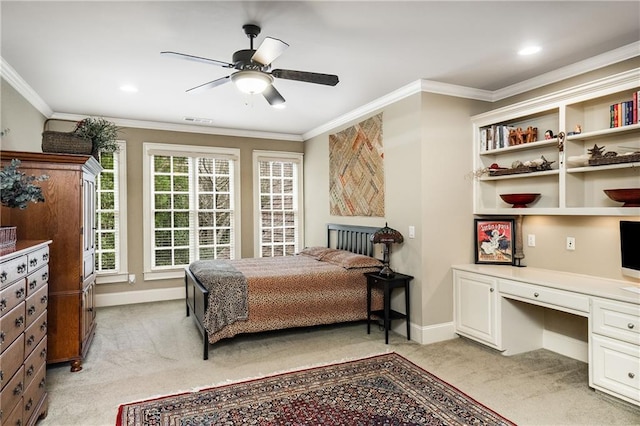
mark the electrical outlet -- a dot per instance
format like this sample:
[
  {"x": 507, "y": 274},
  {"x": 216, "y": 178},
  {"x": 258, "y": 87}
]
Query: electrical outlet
[
  {"x": 531, "y": 240},
  {"x": 571, "y": 243}
]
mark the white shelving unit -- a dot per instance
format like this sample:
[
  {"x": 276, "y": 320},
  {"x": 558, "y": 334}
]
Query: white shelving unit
[{"x": 569, "y": 188}]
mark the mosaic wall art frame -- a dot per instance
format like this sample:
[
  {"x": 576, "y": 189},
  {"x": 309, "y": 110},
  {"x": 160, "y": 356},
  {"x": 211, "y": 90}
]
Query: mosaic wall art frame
[{"x": 356, "y": 170}]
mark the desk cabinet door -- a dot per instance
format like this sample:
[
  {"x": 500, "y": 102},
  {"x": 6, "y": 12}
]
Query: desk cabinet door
[{"x": 475, "y": 307}]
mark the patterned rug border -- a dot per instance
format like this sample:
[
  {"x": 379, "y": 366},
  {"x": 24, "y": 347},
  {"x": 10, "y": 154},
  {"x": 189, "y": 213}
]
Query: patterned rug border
[
  {"x": 231, "y": 382},
  {"x": 318, "y": 366}
]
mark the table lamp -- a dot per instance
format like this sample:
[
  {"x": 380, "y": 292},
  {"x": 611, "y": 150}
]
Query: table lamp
[{"x": 386, "y": 236}]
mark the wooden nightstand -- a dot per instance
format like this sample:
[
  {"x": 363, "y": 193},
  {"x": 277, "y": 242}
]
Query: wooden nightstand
[{"x": 387, "y": 314}]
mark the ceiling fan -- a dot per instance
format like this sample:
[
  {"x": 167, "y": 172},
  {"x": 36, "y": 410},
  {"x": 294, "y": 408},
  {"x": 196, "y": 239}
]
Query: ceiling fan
[{"x": 254, "y": 74}]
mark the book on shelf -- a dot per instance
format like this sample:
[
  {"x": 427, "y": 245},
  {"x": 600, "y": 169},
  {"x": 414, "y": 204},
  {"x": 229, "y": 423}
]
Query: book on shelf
[{"x": 624, "y": 113}]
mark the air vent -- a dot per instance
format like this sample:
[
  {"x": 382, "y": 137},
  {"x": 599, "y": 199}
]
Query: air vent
[{"x": 198, "y": 120}]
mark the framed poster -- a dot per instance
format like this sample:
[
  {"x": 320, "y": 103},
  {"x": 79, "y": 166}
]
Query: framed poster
[{"x": 494, "y": 241}]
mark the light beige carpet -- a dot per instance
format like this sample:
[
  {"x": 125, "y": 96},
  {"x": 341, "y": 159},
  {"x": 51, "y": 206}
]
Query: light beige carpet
[{"x": 147, "y": 350}]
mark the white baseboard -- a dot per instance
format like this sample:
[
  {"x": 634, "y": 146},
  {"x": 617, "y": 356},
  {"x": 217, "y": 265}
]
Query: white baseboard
[
  {"x": 428, "y": 334},
  {"x": 565, "y": 345},
  {"x": 141, "y": 296}
]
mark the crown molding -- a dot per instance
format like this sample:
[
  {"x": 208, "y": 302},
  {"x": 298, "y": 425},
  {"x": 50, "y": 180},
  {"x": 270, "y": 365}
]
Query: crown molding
[
  {"x": 186, "y": 128},
  {"x": 13, "y": 78}
]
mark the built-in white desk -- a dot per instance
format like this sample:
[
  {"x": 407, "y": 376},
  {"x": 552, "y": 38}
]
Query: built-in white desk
[{"x": 501, "y": 307}]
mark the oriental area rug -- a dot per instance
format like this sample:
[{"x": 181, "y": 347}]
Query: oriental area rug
[{"x": 380, "y": 390}]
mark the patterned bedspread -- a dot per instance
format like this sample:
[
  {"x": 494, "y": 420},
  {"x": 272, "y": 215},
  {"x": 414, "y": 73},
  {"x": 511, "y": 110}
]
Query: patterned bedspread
[{"x": 298, "y": 291}]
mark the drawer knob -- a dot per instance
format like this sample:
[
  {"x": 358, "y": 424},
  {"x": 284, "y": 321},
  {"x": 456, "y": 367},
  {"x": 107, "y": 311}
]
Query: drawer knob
[
  {"x": 536, "y": 294},
  {"x": 491, "y": 289},
  {"x": 3, "y": 276},
  {"x": 631, "y": 375},
  {"x": 630, "y": 326}
]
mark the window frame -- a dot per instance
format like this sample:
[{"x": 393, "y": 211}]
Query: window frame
[
  {"x": 122, "y": 273},
  {"x": 149, "y": 150},
  {"x": 276, "y": 156}
]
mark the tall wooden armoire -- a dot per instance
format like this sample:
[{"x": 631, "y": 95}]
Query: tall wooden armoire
[{"x": 67, "y": 217}]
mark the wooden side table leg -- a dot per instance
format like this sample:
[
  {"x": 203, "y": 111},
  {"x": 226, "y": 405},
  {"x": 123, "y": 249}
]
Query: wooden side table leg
[
  {"x": 368, "y": 307},
  {"x": 407, "y": 307},
  {"x": 387, "y": 311}
]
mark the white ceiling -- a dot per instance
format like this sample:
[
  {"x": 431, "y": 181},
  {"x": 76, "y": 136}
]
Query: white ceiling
[{"x": 75, "y": 55}]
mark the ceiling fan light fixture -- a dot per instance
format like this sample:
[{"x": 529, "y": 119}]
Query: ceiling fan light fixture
[{"x": 251, "y": 82}]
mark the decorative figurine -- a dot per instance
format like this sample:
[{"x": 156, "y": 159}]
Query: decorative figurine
[{"x": 548, "y": 134}]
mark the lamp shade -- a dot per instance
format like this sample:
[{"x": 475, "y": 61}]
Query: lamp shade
[
  {"x": 251, "y": 82},
  {"x": 387, "y": 235}
]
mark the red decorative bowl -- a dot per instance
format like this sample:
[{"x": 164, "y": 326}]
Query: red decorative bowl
[
  {"x": 519, "y": 200},
  {"x": 629, "y": 196}
]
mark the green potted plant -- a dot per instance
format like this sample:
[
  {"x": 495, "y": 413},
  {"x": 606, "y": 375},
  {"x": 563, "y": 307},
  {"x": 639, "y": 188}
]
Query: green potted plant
[
  {"x": 102, "y": 133},
  {"x": 17, "y": 190}
]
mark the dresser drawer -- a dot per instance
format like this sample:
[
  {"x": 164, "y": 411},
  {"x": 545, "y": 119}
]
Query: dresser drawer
[
  {"x": 616, "y": 366},
  {"x": 15, "y": 417},
  {"x": 11, "y": 325},
  {"x": 37, "y": 279},
  {"x": 12, "y": 393},
  {"x": 11, "y": 360},
  {"x": 37, "y": 359},
  {"x": 34, "y": 393},
  {"x": 11, "y": 296},
  {"x": 616, "y": 320},
  {"x": 37, "y": 258},
  {"x": 36, "y": 305},
  {"x": 545, "y": 296},
  {"x": 12, "y": 270},
  {"x": 35, "y": 333}
]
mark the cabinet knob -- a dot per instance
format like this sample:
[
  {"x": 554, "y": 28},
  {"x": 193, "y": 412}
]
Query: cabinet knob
[
  {"x": 536, "y": 294},
  {"x": 631, "y": 375},
  {"x": 492, "y": 290},
  {"x": 630, "y": 326}
]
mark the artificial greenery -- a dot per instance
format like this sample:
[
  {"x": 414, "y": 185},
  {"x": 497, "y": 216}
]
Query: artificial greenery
[
  {"x": 17, "y": 189},
  {"x": 102, "y": 133}
]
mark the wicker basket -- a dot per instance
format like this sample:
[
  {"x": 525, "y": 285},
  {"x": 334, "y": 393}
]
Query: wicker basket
[
  {"x": 7, "y": 239},
  {"x": 64, "y": 142}
]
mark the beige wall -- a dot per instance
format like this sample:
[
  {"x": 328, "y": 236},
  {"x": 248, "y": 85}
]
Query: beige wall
[
  {"x": 22, "y": 119},
  {"x": 426, "y": 160}
]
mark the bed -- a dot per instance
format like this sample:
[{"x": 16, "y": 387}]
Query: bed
[{"x": 318, "y": 286}]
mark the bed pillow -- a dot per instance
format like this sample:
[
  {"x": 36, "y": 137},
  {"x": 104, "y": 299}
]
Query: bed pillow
[
  {"x": 315, "y": 252},
  {"x": 350, "y": 260}
]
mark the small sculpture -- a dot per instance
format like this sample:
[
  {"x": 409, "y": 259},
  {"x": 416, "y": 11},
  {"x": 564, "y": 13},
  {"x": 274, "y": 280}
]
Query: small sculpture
[
  {"x": 548, "y": 134},
  {"x": 596, "y": 151}
]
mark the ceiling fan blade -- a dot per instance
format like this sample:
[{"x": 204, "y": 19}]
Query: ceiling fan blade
[
  {"x": 269, "y": 50},
  {"x": 307, "y": 77},
  {"x": 272, "y": 96},
  {"x": 197, "y": 59},
  {"x": 209, "y": 85}
]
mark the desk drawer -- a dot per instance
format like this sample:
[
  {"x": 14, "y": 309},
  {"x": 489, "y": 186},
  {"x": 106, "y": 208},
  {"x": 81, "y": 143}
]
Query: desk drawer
[
  {"x": 617, "y": 320},
  {"x": 616, "y": 366},
  {"x": 35, "y": 333},
  {"x": 545, "y": 296},
  {"x": 36, "y": 305}
]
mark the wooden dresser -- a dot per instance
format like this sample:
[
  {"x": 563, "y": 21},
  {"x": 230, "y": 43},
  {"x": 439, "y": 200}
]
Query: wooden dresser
[
  {"x": 67, "y": 217},
  {"x": 23, "y": 333}
]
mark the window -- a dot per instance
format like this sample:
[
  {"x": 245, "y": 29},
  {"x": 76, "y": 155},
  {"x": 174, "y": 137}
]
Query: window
[
  {"x": 192, "y": 201},
  {"x": 111, "y": 227},
  {"x": 278, "y": 189}
]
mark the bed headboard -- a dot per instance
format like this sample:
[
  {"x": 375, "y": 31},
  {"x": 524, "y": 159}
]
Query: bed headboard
[{"x": 353, "y": 238}]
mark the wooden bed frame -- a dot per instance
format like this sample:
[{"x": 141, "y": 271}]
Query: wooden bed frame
[{"x": 352, "y": 238}]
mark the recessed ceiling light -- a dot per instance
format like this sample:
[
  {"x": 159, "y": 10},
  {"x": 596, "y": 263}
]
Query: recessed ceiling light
[
  {"x": 129, "y": 88},
  {"x": 530, "y": 50}
]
